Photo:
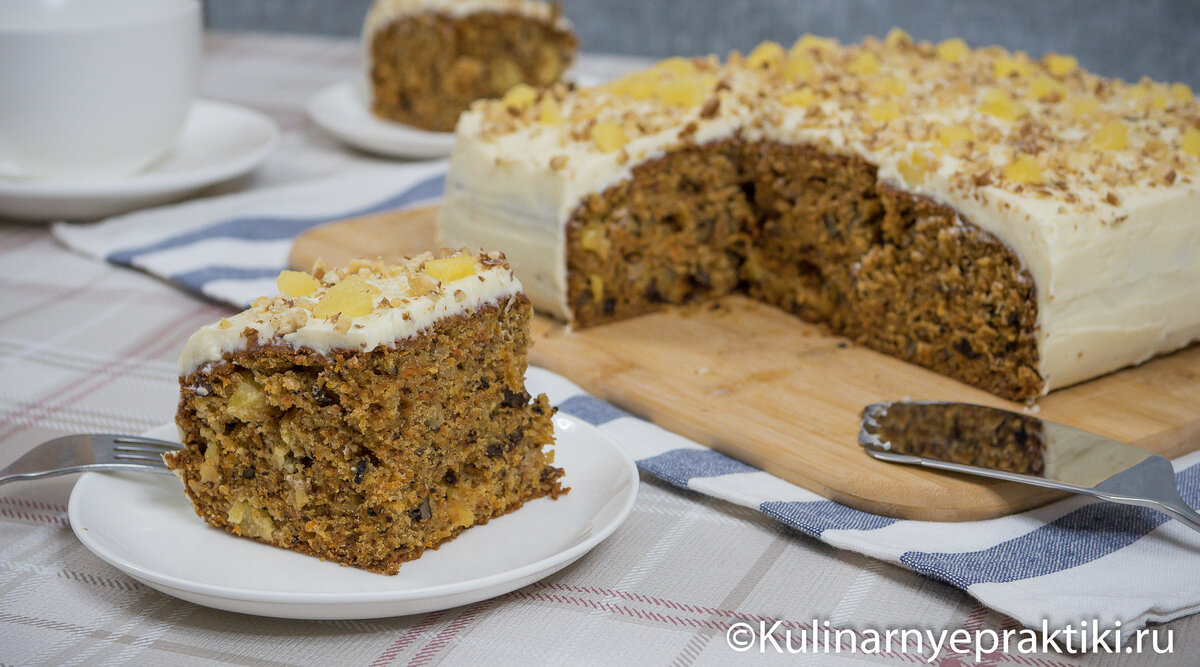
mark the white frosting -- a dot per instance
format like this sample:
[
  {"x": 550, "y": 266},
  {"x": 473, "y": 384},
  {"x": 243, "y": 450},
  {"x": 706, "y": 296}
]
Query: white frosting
[
  {"x": 382, "y": 327},
  {"x": 384, "y": 12},
  {"x": 1115, "y": 284}
]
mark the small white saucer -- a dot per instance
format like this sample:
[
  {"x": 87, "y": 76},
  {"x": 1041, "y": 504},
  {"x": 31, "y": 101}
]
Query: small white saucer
[
  {"x": 143, "y": 524},
  {"x": 219, "y": 141},
  {"x": 343, "y": 110}
]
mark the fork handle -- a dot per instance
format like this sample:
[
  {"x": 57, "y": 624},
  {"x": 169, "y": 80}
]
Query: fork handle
[
  {"x": 1185, "y": 514},
  {"x": 23, "y": 476}
]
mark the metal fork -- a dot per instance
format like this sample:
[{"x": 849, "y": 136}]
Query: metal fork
[{"x": 96, "y": 451}]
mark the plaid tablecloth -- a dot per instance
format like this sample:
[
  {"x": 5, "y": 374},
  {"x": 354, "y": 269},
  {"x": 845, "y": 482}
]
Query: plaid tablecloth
[{"x": 85, "y": 346}]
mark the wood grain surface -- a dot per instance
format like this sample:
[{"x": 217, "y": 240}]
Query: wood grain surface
[{"x": 785, "y": 396}]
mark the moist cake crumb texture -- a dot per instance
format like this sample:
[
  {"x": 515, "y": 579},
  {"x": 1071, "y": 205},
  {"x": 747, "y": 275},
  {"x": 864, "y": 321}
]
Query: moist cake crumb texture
[{"x": 369, "y": 413}]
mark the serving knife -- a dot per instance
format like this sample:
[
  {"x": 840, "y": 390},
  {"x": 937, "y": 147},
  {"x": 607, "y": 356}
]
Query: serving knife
[{"x": 986, "y": 441}]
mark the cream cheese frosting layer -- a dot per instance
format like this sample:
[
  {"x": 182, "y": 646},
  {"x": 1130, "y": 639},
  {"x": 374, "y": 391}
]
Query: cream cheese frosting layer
[
  {"x": 1093, "y": 183},
  {"x": 376, "y": 306},
  {"x": 384, "y": 12}
]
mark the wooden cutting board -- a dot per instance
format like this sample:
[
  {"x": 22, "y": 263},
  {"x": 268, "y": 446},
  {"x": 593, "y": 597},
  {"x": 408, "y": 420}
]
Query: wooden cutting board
[{"x": 785, "y": 396}]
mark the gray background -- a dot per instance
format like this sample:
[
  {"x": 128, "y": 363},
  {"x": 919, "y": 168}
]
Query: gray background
[{"x": 1155, "y": 38}]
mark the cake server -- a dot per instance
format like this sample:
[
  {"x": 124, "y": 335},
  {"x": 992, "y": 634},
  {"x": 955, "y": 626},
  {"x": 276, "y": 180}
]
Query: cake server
[{"x": 979, "y": 440}]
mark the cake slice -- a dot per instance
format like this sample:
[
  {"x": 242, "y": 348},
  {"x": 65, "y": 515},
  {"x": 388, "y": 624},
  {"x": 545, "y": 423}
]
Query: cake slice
[
  {"x": 427, "y": 60},
  {"x": 369, "y": 413}
]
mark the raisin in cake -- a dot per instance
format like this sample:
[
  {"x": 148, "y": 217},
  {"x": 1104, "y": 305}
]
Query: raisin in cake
[
  {"x": 428, "y": 59},
  {"x": 1019, "y": 224},
  {"x": 366, "y": 414}
]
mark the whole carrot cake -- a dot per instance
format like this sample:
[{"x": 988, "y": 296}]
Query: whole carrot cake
[
  {"x": 1019, "y": 224},
  {"x": 369, "y": 413},
  {"x": 428, "y": 59}
]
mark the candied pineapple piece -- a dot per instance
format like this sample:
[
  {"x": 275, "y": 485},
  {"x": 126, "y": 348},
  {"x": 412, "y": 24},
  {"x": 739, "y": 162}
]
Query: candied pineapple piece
[
  {"x": 1181, "y": 92},
  {"x": 997, "y": 103},
  {"x": 1006, "y": 66},
  {"x": 596, "y": 285},
  {"x": 609, "y": 136},
  {"x": 350, "y": 297},
  {"x": 888, "y": 86},
  {"x": 449, "y": 269},
  {"x": 953, "y": 50},
  {"x": 799, "y": 67},
  {"x": 1047, "y": 89},
  {"x": 884, "y": 111},
  {"x": 814, "y": 43},
  {"x": 1059, "y": 64},
  {"x": 549, "y": 112},
  {"x": 1190, "y": 142},
  {"x": 864, "y": 64},
  {"x": 1084, "y": 106},
  {"x": 897, "y": 37},
  {"x": 915, "y": 167},
  {"x": 767, "y": 54},
  {"x": 520, "y": 96},
  {"x": 950, "y": 134},
  {"x": 592, "y": 239},
  {"x": 799, "y": 98},
  {"x": 248, "y": 400},
  {"x": 676, "y": 65},
  {"x": 250, "y": 520},
  {"x": 1024, "y": 169},
  {"x": 1112, "y": 136},
  {"x": 296, "y": 283},
  {"x": 688, "y": 92}
]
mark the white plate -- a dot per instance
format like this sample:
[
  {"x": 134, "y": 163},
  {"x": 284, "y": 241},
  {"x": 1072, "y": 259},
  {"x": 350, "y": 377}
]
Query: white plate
[
  {"x": 219, "y": 141},
  {"x": 143, "y": 524},
  {"x": 343, "y": 110}
]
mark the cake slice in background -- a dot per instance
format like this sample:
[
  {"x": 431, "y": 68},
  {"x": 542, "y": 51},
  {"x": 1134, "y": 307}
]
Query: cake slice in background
[
  {"x": 366, "y": 414},
  {"x": 427, "y": 60}
]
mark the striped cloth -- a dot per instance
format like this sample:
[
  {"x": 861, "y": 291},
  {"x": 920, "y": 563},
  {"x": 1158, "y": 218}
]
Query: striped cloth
[{"x": 1073, "y": 561}]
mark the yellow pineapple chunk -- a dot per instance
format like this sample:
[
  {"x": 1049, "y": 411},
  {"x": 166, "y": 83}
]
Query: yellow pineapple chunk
[
  {"x": 1190, "y": 142},
  {"x": 1006, "y": 66},
  {"x": 953, "y": 50},
  {"x": 949, "y": 134},
  {"x": 1047, "y": 89},
  {"x": 592, "y": 239},
  {"x": 1059, "y": 64},
  {"x": 609, "y": 136},
  {"x": 1159, "y": 100},
  {"x": 549, "y": 113},
  {"x": 1084, "y": 106},
  {"x": 914, "y": 168},
  {"x": 248, "y": 400},
  {"x": 1181, "y": 92},
  {"x": 351, "y": 298},
  {"x": 897, "y": 37},
  {"x": 888, "y": 86},
  {"x": 799, "y": 98},
  {"x": 997, "y": 103},
  {"x": 799, "y": 67},
  {"x": 864, "y": 64},
  {"x": 638, "y": 85},
  {"x": 687, "y": 92},
  {"x": 814, "y": 43},
  {"x": 520, "y": 96},
  {"x": 884, "y": 111},
  {"x": 1024, "y": 169},
  {"x": 449, "y": 269},
  {"x": 1112, "y": 136},
  {"x": 596, "y": 286},
  {"x": 767, "y": 54},
  {"x": 676, "y": 65},
  {"x": 296, "y": 283}
]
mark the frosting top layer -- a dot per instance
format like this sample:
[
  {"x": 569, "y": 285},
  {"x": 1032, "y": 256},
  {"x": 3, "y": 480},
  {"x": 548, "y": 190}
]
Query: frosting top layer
[
  {"x": 383, "y": 12},
  {"x": 364, "y": 306}
]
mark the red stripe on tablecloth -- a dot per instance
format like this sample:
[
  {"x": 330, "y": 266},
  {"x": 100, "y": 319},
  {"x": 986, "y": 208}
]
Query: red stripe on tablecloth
[
  {"x": 108, "y": 371},
  {"x": 33, "y": 505},
  {"x": 60, "y": 520},
  {"x": 448, "y": 633},
  {"x": 407, "y": 638}
]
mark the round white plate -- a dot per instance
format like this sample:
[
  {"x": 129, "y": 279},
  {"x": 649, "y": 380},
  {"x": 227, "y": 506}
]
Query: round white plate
[
  {"x": 219, "y": 141},
  {"x": 143, "y": 524},
  {"x": 343, "y": 110}
]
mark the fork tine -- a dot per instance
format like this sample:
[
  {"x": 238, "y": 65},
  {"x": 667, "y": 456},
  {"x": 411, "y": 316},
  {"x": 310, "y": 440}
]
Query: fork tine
[
  {"x": 145, "y": 449},
  {"x": 136, "y": 440},
  {"x": 139, "y": 459}
]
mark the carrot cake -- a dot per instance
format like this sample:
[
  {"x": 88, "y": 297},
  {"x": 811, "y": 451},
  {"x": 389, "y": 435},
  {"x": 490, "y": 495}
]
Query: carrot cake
[
  {"x": 428, "y": 59},
  {"x": 1019, "y": 224},
  {"x": 369, "y": 413}
]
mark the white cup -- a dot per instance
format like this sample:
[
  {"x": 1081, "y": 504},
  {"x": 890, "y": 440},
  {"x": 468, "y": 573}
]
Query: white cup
[{"x": 94, "y": 88}]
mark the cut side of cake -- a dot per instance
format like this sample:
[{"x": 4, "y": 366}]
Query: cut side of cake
[
  {"x": 427, "y": 60},
  {"x": 1018, "y": 224},
  {"x": 369, "y": 413}
]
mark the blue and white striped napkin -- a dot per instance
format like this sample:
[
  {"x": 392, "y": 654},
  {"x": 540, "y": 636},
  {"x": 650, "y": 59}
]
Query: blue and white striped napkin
[{"x": 1074, "y": 561}]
